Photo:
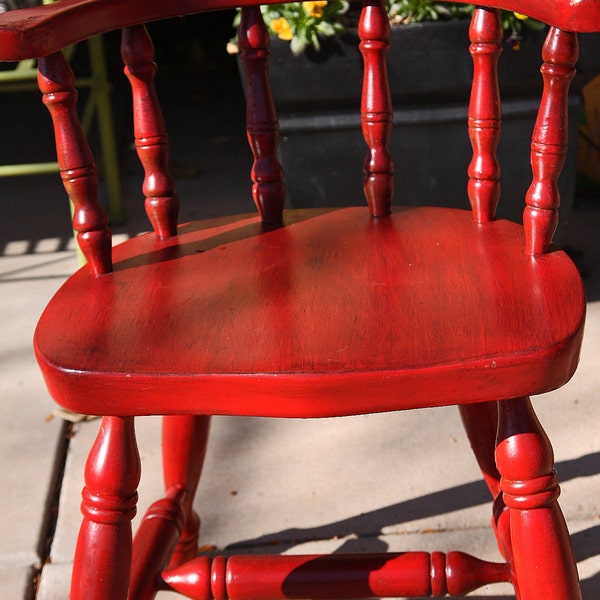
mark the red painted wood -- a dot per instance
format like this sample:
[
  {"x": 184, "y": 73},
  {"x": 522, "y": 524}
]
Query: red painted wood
[
  {"x": 329, "y": 313},
  {"x": 409, "y": 574},
  {"x": 155, "y": 542},
  {"x": 151, "y": 140},
  {"x": 543, "y": 558},
  {"x": 112, "y": 475},
  {"x": 376, "y": 107},
  {"x": 481, "y": 424},
  {"x": 484, "y": 114},
  {"x": 549, "y": 144},
  {"x": 76, "y": 164},
  {"x": 168, "y": 533},
  {"x": 338, "y": 324},
  {"x": 80, "y": 19},
  {"x": 184, "y": 442},
  {"x": 262, "y": 128}
]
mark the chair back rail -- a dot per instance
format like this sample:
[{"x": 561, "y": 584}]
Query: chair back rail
[{"x": 82, "y": 19}]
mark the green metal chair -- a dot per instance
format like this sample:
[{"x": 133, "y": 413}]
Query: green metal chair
[{"x": 24, "y": 77}]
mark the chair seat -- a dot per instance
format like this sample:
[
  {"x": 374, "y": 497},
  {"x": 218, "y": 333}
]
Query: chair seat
[{"x": 232, "y": 317}]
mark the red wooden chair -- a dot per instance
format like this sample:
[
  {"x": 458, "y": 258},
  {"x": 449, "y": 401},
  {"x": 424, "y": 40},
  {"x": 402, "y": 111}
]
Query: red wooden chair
[{"x": 310, "y": 313}]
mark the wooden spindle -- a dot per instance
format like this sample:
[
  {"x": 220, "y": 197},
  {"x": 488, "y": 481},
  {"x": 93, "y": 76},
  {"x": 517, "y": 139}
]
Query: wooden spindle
[
  {"x": 411, "y": 574},
  {"x": 103, "y": 556},
  {"x": 376, "y": 107},
  {"x": 485, "y": 114},
  {"x": 262, "y": 127},
  {"x": 75, "y": 161},
  {"x": 550, "y": 137},
  {"x": 542, "y": 552},
  {"x": 150, "y": 133}
]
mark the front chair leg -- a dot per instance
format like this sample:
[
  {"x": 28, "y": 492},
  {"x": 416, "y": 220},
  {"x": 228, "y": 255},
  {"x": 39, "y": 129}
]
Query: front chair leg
[
  {"x": 103, "y": 554},
  {"x": 544, "y": 564}
]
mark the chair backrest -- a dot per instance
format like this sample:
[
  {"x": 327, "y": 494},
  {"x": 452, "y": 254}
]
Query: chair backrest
[{"x": 43, "y": 31}]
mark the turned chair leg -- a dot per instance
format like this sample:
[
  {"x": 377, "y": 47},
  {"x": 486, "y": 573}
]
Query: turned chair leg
[
  {"x": 185, "y": 440},
  {"x": 168, "y": 533},
  {"x": 544, "y": 565},
  {"x": 103, "y": 554},
  {"x": 481, "y": 424}
]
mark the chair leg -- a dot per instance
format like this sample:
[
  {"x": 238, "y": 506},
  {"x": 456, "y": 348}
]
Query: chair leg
[
  {"x": 170, "y": 527},
  {"x": 103, "y": 554},
  {"x": 544, "y": 564},
  {"x": 184, "y": 442},
  {"x": 481, "y": 424}
]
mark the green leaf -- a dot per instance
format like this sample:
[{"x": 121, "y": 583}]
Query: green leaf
[{"x": 297, "y": 45}]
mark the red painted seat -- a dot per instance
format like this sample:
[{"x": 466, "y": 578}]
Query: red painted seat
[
  {"x": 321, "y": 342},
  {"x": 310, "y": 313}
]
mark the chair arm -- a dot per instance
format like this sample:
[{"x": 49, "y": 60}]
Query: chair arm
[{"x": 42, "y": 30}]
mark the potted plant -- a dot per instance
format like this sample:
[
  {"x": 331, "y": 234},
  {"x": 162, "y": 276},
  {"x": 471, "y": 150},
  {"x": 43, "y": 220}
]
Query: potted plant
[
  {"x": 315, "y": 74},
  {"x": 305, "y": 24}
]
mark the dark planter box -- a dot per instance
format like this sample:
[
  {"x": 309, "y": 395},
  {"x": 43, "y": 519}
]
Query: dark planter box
[{"x": 318, "y": 98}]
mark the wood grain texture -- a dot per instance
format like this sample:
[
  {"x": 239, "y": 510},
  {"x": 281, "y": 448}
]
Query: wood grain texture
[
  {"x": 80, "y": 19},
  {"x": 543, "y": 558},
  {"x": 424, "y": 307},
  {"x": 262, "y": 127},
  {"x": 75, "y": 161},
  {"x": 376, "y": 108},
  {"x": 112, "y": 474},
  {"x": 485, "y": 113},
  {"x": 337, "y": 576},
  {"x": 549, "y": 141},
  {"x": 332, "y": 312},
  {"x": 150, "y": 132}
]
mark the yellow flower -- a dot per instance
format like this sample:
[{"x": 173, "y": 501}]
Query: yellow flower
[
  {"x": 315, "y": 9},
  {"x": 282, "y": 28},
  {"x": 521, "y": 17}
]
